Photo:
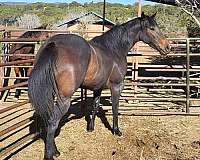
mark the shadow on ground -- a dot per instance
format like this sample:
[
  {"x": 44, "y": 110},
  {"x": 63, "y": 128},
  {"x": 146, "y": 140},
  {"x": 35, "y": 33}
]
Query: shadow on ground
[{"x": 77, "y": 110}]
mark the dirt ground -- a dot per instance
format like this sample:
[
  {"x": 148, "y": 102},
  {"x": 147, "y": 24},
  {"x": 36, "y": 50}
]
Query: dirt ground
[{"x": 144, "y": 138}]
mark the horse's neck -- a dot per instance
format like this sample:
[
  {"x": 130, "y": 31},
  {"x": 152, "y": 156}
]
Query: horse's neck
[
  {"x": 131, "y": 40},
  {"x": 121, "y": 43}
]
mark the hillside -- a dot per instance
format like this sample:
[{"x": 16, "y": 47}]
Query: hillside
[{"x": 170, "y": 19}]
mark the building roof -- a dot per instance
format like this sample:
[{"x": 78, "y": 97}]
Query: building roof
[
  {"x": 169, "y": 2},
  {"x": 176, "y": 3},
  {"x": 100, "y": 21}
]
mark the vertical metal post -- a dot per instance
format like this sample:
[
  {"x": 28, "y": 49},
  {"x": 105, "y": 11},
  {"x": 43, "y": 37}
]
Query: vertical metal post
[
  {"x": 85, "y": 94},
  {"x": 82, "y": 98},
  {"x": 104, "y": 13},
  {"x": 188, "y": 76},
  {"x": 139, "y": 8},
  {"x": 136, "y": 48}
]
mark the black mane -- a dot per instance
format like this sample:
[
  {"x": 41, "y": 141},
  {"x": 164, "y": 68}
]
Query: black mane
[{"x": 118, "y": 40}]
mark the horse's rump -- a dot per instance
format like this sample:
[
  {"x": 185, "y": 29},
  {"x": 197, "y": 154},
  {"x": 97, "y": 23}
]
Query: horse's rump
[{"x": 59, "y": 70}]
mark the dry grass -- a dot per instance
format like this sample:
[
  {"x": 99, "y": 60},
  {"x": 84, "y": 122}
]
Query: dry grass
[{"x": 144, "y": 138}]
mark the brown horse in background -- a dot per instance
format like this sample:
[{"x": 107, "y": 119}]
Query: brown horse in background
[
  {"x": 66, "y": 62},
  {"x": 17, "y": 50}
]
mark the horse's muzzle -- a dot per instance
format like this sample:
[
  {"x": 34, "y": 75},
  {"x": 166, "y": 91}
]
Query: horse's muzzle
[{"x": 165, "y": 47}]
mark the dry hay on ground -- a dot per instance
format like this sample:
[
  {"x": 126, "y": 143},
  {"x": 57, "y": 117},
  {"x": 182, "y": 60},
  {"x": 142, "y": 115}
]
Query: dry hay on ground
[{"x": 144, "y": 138}]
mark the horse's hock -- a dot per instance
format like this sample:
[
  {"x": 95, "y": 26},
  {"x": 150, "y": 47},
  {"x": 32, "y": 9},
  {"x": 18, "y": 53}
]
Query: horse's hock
[{"x": 154, "y": 85}]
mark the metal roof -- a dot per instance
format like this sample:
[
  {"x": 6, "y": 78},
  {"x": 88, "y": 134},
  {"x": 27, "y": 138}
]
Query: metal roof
[
  {"x": 174, "y": 2},
  {"x": 107, "y": 22}
]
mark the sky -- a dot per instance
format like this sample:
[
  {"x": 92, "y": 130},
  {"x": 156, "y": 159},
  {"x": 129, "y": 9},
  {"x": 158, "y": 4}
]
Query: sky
[{"x": 69, "y": 1}]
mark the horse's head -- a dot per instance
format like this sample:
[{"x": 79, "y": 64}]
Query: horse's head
[{"x": 152, "y": 35}]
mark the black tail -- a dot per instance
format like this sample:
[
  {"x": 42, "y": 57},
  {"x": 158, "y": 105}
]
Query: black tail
[{"x": 42, "y": 88}]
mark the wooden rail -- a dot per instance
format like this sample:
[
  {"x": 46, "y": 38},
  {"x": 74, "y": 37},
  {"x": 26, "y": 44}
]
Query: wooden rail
[
  {"x": 17, "y": 62},
  {"x": 167, "y": 78},
  {"x": 18, "y": 143},
  {"x": 17, "y": 55},
  {"x": 13, "y": 86},
  {"x": 15, "y": 126},
  {"x": 22, "y": 40},
  {"x": 14, "y": 77},
  {"x": 162, "y": 84},
  {"x": 13, "y": 106}
]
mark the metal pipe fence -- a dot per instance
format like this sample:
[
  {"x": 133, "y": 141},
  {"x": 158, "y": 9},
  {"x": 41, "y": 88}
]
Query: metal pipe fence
[
  {"x": 189, "y": 68},
  {"x": 185, "y": 45}
]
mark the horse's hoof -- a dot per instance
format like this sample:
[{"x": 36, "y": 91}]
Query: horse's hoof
[
  {"x": 117, "y": 132},
  {"x": 56, "y": 154},
  {"x": 90, "y": 129},
  {"x": 48, "y": 158}
]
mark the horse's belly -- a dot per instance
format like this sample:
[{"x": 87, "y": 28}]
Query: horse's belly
[
  {"x": 94, "y": 84},
  {"x": 94, "y": 79}
]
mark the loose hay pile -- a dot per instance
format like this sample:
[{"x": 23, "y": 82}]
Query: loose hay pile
[{"x": 144, "y": 138}]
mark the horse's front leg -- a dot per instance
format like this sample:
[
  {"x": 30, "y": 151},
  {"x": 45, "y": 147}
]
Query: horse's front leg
[
  {"x": 95, "y": 107},
  {"x": 116, "y": 89}
]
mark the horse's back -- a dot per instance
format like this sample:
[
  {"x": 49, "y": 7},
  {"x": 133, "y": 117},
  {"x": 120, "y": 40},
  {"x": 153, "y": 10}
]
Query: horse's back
[
  {"x": 67, "y": 45},
  {"x": 70, "y": 40},
  {"x": 71, "y": 49}
]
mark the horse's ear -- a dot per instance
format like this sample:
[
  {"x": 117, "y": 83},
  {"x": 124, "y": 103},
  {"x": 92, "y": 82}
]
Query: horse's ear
[
  {"x": 154, "y": 15},
  {"x": 142, "y": 15}
]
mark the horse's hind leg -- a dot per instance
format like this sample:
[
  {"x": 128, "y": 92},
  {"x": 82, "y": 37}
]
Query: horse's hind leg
[
  {"x": 50, "y": 146},
  {"x": 95, "y": 107},
  {"x": 57, "y": 114}
]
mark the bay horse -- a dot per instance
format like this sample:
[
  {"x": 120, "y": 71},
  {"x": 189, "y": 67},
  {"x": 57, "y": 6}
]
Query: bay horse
[
  {"x": 66, "y": 62},
  {"x": 16, "y": 52}
]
